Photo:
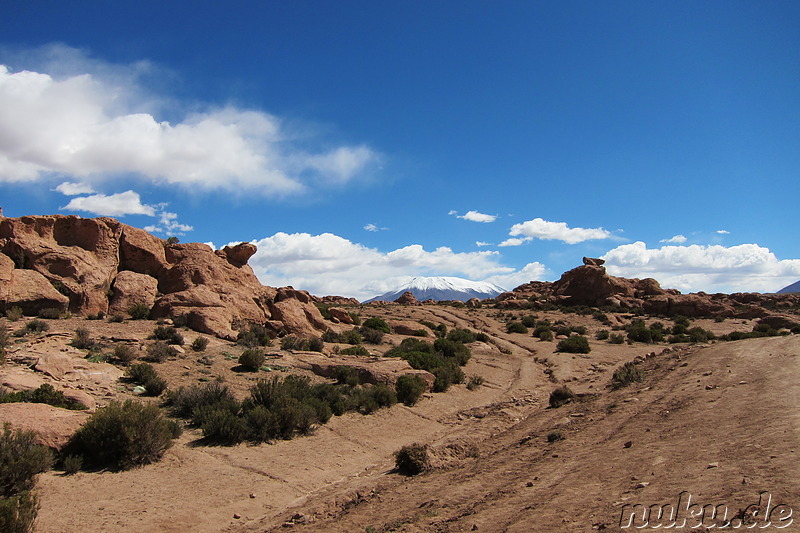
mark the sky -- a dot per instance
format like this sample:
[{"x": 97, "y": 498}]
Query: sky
[{"x": 359, "y": 144}]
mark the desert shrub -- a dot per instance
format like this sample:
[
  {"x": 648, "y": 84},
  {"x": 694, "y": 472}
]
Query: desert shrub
[
  {"x": 18, "y": 512},
  {"x": 447, "y": 375},
  {"x": 626, "y": 374},
  {"x": 354, "y": 350},
  {"x": 428, "y": 324},
  {"x": 200, "y": 344},
  {"x": 546, "y": 335},
  {"x": 355, "y": 317},
  {"x": 602, "y": 335},
  {"x": 124, "y": 353},
  {"x": 124, "y": 435},
  {"x": 440, "y": 330},
  {"x": 82, "y": 339},
  {"x": 21, "y": 459},
  {"x": 376, "y": 323},
  {"x": 324, "y": 310},
  {"x": 555, "y": 436},
  {"x": 616, "y": 338},
  {"x": 580, "y": 330},
  {"x": 454, "y": 350},
  {"x": 173, "y": 240},
  {"x": 146, "y": 376},
  {"x": 516, "y": 327},
  {"x": 698, "y": 334},
  {"x": 371, "y": 336},
  {"x": 351, "y": 336},
  {"x": 117, "y": 318},
  {"x": 36, "y": 326},
  {"x": 561, "y": 396},
  {"x": 410, "y": 388},
  {"x": 529, "y": 321},
  {"x": 410, "y": 345},
  {"x": 45, "y": 393},
  {"x": 316, "y": 344},
  {"x": 185, "y": 400},
  {"x": 139, "y": 311},
  {"x": 673, "y": 339},
  {"x": 221, "y": 426},
  {"x": 600, "y": 316},
  {"x": 474, "y": 382},
  {"x": 255, "y": 335},
  {"x": 574, "y": 344},
  {"x": 346, "y": 375},
  {"x": 159, "y": 351},
  {"x": 252, "y": 359},
  {"x": 542, "y": 328},
  {"x": 331, "y": 336},
  {"x": 412, "y": 459},
  {"x": 382, "y": 394},
  {"x": 52, "y": 313},
  {"x": 482, "y": 337},
  {"x": 290, "y": 342},
  {"x": 72, "y": 464},
  {"x": 168, "y": 334},
  {"x": 463, "y": 336},
  {"x": 14, "y": 314}
]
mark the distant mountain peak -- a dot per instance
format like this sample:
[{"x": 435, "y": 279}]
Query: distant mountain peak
[
  {"x": 442, "y": 288},
  {"x": 794, "y": 287}
]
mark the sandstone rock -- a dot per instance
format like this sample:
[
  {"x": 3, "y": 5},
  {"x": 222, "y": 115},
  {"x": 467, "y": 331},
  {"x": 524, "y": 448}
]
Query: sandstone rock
[
  {"x": 473, "y": 302},
  {"x": 408, "y": 327},
  {"x": 81, "y": 397},
  {"x": 19, "y": 380},
  {"x": 407, "y": 298},
  {"x": 779, "y": 321},
  {"x": 131, "y": 288},
  {"x": 340, "y": 315},
  {"x": 56, "y": 365},
  {"x": 31, "y": 292},
  {"x": 593, "y": 261},
  {"x": 299, "y": 318},
  {"x": 53, "y": 425},
  {"x": 590, "y": 285},
  {"x": 141, "y": 252},
  {"x": 371, "y": 370},
  {"x": 239, "y": 254}
]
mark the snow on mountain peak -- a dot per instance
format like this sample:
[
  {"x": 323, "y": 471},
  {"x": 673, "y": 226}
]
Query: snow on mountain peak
[{"x": 443, "y": 288}]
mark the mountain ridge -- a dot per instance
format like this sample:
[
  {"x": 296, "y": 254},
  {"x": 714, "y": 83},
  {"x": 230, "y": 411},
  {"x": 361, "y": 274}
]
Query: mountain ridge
[{"x": 442, "y": 288}]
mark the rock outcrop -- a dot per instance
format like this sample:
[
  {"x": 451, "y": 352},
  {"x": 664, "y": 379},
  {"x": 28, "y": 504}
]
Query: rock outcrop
[
  {"x": 408, "y": 298},
  {"x": 91, "y": 266}
]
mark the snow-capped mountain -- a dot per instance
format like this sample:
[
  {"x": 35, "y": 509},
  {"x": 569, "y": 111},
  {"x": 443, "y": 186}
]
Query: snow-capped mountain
[{"x": 443, "y": 288}]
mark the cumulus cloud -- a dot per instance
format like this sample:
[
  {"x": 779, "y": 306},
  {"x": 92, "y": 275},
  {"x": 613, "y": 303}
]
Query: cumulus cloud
[
  {"x": 69, "y": 188},
  {"x": 168, "y": 224},
  {"x": 539, "y": 228},
  {"x": 475, "y": 216},
  {"x": 514, "y": 241},
  {"x": 112, "y": 205},
  {"x": 714, "y": 268},
  {"x": 677, "y": 239},
  {"x": 723, "y": 231},
  {"x": 92, "y": 126},
  {"x": 330, "y": 264},
  {"x": 481, "y": 243}
]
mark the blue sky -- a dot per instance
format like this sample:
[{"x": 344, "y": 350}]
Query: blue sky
[{"x": 360, "y": 143}]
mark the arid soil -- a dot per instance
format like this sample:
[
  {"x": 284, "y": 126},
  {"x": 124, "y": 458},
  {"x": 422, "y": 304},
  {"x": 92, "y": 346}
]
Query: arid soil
[{"x": 720, "y": 421}]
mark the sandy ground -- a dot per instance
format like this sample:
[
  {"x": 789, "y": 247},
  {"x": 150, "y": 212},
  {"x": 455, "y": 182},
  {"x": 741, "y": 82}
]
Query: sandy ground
[{"x": 719, "y": 421}]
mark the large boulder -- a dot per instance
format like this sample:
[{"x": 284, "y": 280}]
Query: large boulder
[
  {"x": 408, "y": 298},
  {"x": 131, "y": 288},
  {"x": 340, "y": 315},
  {"x": 54, "y": 426},
  {"x": 298, "y": 318},
  {"x": 591, "y": 285},
  {"x": 370, "y": 370},
  {"x": 30, "y": 291}
]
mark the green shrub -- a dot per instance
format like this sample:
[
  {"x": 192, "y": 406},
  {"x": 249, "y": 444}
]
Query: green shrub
[
  {"x": 698, "y": 334},
  {"x": 412, "y": 459},
  {"x": 124, "y": 353},
  {"x": 159, "y": 351},
  {"x": 255, "y": 335},
  {"x": 18, "y": 512},
  {"x": 221, "y": 426},
  {"x": 376, "y": 323},
  {"x": 117, "y": 318},
  {"x": 82, "y": 339},
  {"x": 139, "y": 312},
  {"x": 574, "y": 344},
  {"x": 463, "y": 336},
  {"x": 555, "y": 436},
  {"x": 351, "y": 337},
  {"x": 185, "y": 400},
  {"x": 474, "y": 382},
  {"x": 561, "y": 396},
  {"x": 36, "y": 326},
  {"x": 14, "y": 314},
  {"x": 200, "y": 344},
  {"x": 146, "y": 376},
  {"x": 454, "y": 350},
  {"x": 626, "y": 374},
  {"x": 124, "y": 435},
  {"x": 21, "y": 459},
  {"x": 516, "y": 327},
  {"x": 449, "y": 374},
  {"x": 72, "y": 464},
  {"x": 616, "y": 338},
  {"x": 355, "y": 317},
  {"x": 168, "y": 334},
  {"x": 252, "y": 359},
  {"x": 410, "y": 345},
  {"x": 482, "y": 337},
  {"x": 410, "y": 388},
  {"x": 52, "y": 313},
  {"x": 346, "y": 375},
  {"x": 580, "y": 330},
  {"x": 546, "y": 335},
  {"x": 371, "y": 336},
  {"x": 543, "y": 328},
  {"x": 354, "y": 350},
  {"x": 316, "y": 344},
  {"x": 45, "y": 393},
  {"x": 602, "y": 335},
  {"x": 529, "y": 321}
]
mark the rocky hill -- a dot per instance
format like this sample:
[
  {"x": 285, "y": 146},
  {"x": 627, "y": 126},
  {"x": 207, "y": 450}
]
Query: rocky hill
[
  {"x": 791, "y": 289},
  {"x": 98, "y": 265}
]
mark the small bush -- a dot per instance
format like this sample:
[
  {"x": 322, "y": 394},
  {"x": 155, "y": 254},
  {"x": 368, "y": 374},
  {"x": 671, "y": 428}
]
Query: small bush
[
  {"x": 124, "y": 435},
  {"x": 474, "y": 382},
  {"x": 221, "y": 426},
  {"x": 14, "y": 314},
  {"x": 346, "y": 375},
  {"x": 546, "y": 335},
  {"x": 463, "y": 336},
  {"x": 602, "y": 335},
  {"x": 139, "y": 312},
  {"x": 355, "y": 317},
  {"x": 72, "y": 464},
  {"x": 482, "y": 337},
  {"x": 200, "y": 344},
  {"x": 543, "y": 328},
  {"x": 146, "y": 376},
  {"x": 252, "y": 359},
  {"x": 412, "y": 459},
  {"x": 21, "y": 459},
  {"x": 255, "y": 335},
  {"x": 354, "y": 350},
  {"x": 376, "y": 323},
  {"x": 371, "y": 336},
  {"x": 159, "y": 351},
  {"x": 116, "y": 319},
  {"x": 516, "y": 327},
  {"x": 168, "y": 334},
  {"x": 454, "y": 350},
  {"x": 184, "y": 401},
  {"x": 561, "y": 396},
  {"x": 410, "y": 388},
  {"x": 616, "y": 338},
  {"x": 52, "y": 313},
  {"x": 447, "y": 375},
  {"x": 124, "y": 353},
  {"x": 36, "y": 326},
  {"x": 529, "y": 321},
  {"x": 574, "y": 344},
  {"x": 82, "y": 339},
  {"x": 18, "y": 512},
  {"x": 555, "y": 436},
  {"x": 45, "y": 393},
  {"x": 626, "y": 374}
]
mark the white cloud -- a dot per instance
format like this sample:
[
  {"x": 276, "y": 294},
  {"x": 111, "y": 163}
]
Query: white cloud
[
  {"x": 328, "y": 264},
  {"x": 69, "y": 188},
  {"x": 93, "y": 123},
  {"x": 514, "y": 241},
  {"x": 677, "y": 239},
  {"x": 481, "y": 243},
  {"x": 168, "y": 224},
  {"x": 113, "y": 205},
  {"x": 475, "y": 216},
  {"x": 723, "y": 231},
  {"x": 714, "y": 268},
  {"x": 452, "y": 212},
  {"x": 531, "y": 272},
  {"x": 373, "y": 227},
  {"x": 542, "y": 229}
]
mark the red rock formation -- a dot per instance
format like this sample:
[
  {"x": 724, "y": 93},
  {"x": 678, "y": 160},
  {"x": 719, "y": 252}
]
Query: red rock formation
[{"x": 407, "y": 298}]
